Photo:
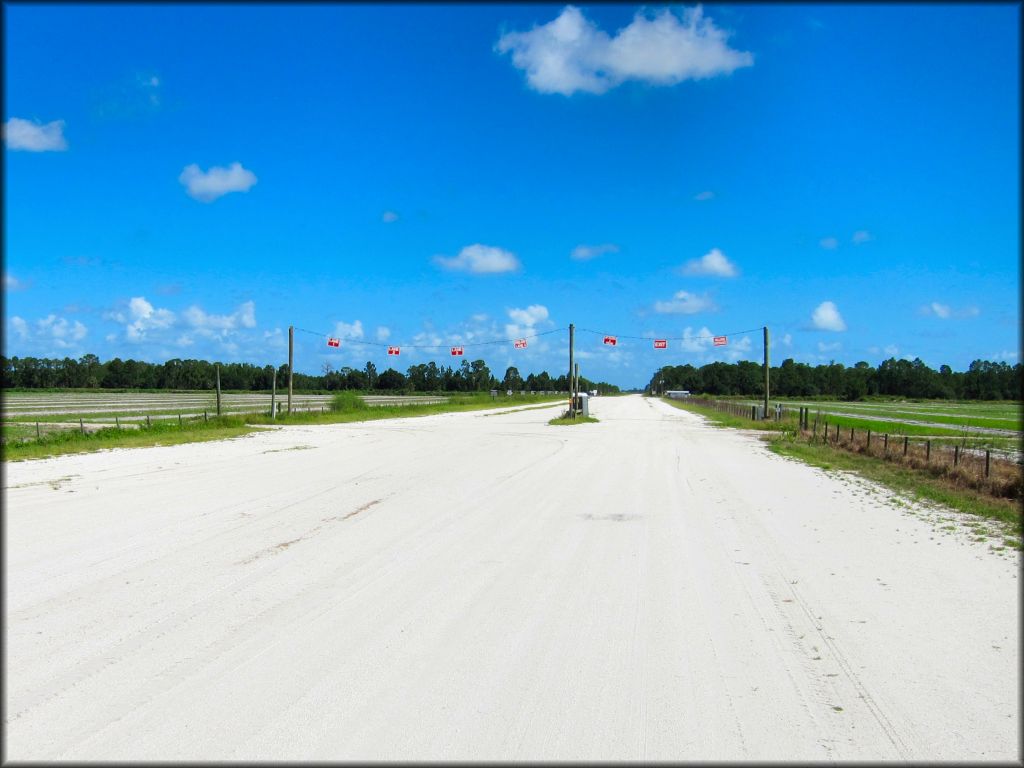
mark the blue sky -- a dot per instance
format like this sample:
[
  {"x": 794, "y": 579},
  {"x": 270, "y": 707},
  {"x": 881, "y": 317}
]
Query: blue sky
[{"x": 188, "y": 181}]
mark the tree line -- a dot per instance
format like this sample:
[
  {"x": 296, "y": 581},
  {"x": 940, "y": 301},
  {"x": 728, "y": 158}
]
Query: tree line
[
  {"x": 88, "y": 372},
  {"x": 982, "y": 380}
]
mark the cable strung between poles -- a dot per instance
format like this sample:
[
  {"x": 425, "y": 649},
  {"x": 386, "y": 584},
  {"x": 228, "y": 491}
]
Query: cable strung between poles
[
  {"x": 669, "y": 338},
  {"x": 431, "y": 346}
]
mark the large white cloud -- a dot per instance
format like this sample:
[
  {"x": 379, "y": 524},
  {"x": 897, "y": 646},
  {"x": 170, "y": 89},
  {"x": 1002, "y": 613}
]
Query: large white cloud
[
  {"x": 57, "y": 332},
  {"x": 572, "y": 54},
  {"x": 146, "y": 317},
  {"x": 207, "y": 187},
  {"x": 685, "y": 303},
  {"x": 714, "y": 262},
  {"x": 480, "y": 260},
  {"x": 826, "y": 317},
  {"x": 244, "y": 316},
  {"x": 33, "y": 136}
]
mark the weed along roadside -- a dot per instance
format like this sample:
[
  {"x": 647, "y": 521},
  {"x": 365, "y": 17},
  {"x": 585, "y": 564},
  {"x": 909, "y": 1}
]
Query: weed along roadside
[
  {"x": 22, "y": 440},
  {"x": 976, "y": 482}
]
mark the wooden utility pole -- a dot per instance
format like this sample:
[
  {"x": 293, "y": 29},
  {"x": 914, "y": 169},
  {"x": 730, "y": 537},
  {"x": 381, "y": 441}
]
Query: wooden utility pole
[
  {"x": 218, "y": 389},
  {"x": 273, "y": 397},
  {"x": 766, "y": 371},
  {"x": 572, "y": 335},
  {"x": 575, "y": 384},
  {"x": 291, "y": 360}
]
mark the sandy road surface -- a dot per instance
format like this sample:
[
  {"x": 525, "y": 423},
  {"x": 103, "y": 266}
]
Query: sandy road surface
[{"x": 469, "y": 586}]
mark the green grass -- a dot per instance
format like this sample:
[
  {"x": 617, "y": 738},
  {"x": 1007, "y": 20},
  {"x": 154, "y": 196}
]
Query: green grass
[
  {"x": 915, "y": 484},
  {"x": 349, "y": 409},
  {"x": 72, "y": 441},
  {"x": 723, "y": 419},
  {"x": 565, "y": 421}
]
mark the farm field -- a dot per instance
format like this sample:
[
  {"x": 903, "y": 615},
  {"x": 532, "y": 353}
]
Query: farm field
[{"x": 481, "y": 585}]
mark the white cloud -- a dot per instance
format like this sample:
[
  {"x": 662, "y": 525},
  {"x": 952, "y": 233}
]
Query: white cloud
[
  {"x": 145, "y": 318},
  {"x": 244, "y": 316},
  {"x": 33, "y": 136},
  {"x": 383, "y": 333},
  {"x": 787, "y": 340},
  {"x": 572, "y": 54},
  {"x": 389, "y": 216},
  {"x": 20, "y": 327},
  {"x": 714, "y": 262},
  {"x": 480, "y": 260},
  {"x": 829, "y": 243},
  {"x": 891, "y": 349},
  {"x": 830, "y": 347},
  {"x": 685, "y": 303},
  {"x": 705, "y": 195},
  {"x": 1005, "y": 355},
  {"x": 52, "y": 330},
  {"x": 861, "y": 236},
  {"x": 944, "y": 311},
  {"x": 11, "y": 283},
  {"x": 584, "y": 252},
  {"x": 352, "y": 330},
  {"x": 826, "y": 317},
  {"x": 532, "y": 315},
  {"x": 207, "y": 187}
]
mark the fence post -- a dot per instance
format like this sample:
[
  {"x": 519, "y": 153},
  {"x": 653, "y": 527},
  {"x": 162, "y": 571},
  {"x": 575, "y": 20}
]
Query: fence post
[
  {"x": 205, "y": 417},
  {"x": 147, "y": 421},
  {"x": 988, "y": 455},
  {"x": 885, "y": 447},
  {"x": 81, "y": 426},
  {"x": 927, "y": 450},
  {"x": 906, "y": 443},
  {"x": 869, "y": 440},
  {"x": 179, "y": 419},
  {"x": 956, "y": 455},
  {"x": 117, "y": 423},
  {"x": 37, "y": 430},
  {"x": 851, "y": 435}
]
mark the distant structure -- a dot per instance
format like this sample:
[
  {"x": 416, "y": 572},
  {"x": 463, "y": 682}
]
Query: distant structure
[{"x": 678, "y": 394}]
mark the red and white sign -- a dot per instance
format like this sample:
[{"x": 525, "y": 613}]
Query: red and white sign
[
  {"x": 457, "y": 350},
  {"x": 333, "y": 342},
  {"x": 392, "y": 350},
  {"x": 720, "y": 341},
  {"x": 661, "y": 343},
  {"x": 611, "y": 341},
  {"x": 520, "y": 344}
]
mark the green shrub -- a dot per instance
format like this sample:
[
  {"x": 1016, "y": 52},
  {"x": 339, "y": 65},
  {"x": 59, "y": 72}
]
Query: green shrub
[{"x": 347, "y": 401}]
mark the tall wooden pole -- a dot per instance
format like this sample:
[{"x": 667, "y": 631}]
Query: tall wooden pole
[
  {"x": 572, "y": 336},
  {"x": 766, "y": 371},
  {"x": 291, "y": 360},
  {"x": 273, "y": 397}
]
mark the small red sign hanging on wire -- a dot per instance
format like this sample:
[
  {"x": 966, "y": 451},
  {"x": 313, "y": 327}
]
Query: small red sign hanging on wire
[
  {"x": 520, "y": 344},
  {"x": 661, "y": 343},
  {"x": 610, "y": 341},
  {"x": 720, "y": 341},
  {"x": 457, "y": 350},
  {"x": 392, "y": 350},
  {"x": 333, "y": 342}
]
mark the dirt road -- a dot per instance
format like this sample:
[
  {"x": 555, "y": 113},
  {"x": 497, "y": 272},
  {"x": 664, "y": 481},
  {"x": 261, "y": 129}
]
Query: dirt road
[{"x": 472, "y": 586}]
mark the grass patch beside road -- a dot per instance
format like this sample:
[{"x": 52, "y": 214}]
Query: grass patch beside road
[
  {"x": 905, "y": 480},
  {"x": 783, "y": 438},
  {"x": 161, "y": 433},
  {"x": 348, "y": 409},
  {"x": 565, "y": 421}
]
